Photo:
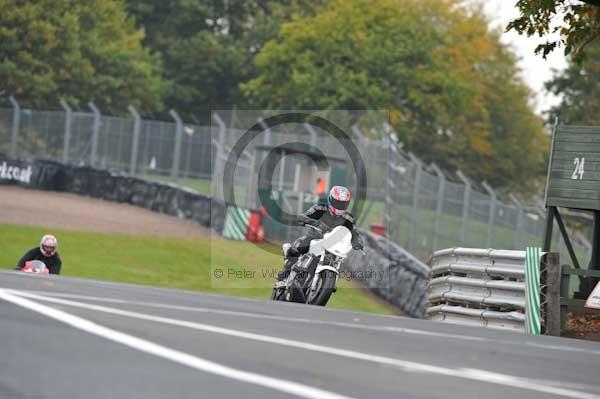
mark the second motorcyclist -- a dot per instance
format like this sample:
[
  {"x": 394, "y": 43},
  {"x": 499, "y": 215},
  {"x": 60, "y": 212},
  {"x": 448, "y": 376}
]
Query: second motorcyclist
[
  {"x": 45, "y": 252},
  {"x": 325, "y": 216}
]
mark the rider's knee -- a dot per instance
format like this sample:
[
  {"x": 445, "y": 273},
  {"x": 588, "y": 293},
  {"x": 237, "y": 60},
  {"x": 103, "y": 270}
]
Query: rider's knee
[{"x": 293, "y": 253}]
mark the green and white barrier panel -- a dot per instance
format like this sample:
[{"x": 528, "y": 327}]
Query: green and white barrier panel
[
  {"x": 236, "y": 223},
  {"x": 533, "y": 323}
]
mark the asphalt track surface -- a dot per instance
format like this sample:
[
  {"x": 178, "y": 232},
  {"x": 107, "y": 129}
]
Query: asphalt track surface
[{"x": 73, "y": 338}]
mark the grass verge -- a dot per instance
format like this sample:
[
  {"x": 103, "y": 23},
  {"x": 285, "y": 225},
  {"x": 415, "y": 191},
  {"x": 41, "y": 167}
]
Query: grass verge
[{"x": 166, "y": 262}]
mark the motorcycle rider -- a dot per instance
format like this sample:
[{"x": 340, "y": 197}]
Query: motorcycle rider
[
  {"x": 325, "y": 216},
  {"x": 46, "y": 253}
]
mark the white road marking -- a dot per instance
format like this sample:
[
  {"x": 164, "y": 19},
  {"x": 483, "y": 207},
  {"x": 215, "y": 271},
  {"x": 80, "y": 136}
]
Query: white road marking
[
  {"x": 115, "y": 284},
  {"x": 409, "y": 366},
  {"x": 381, "y": 328},
  {"x": 286, "y": 386},
  {"x": 260, "y": 316}
]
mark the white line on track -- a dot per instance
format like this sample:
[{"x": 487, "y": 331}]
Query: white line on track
[
  {"x": 381, "y": 328},
  {"x": 120, "y": 285},
  {"x": 286, "y": 386},
  {"x": 409, "y": 366}
]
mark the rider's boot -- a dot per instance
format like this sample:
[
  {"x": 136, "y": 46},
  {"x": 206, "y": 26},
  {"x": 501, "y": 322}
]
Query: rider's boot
[
  {"x": 287, "y": 266},
  {"x": 291, "y": 256}
]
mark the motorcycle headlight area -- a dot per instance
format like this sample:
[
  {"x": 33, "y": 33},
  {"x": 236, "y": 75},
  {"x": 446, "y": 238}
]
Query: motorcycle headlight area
[{"x": 329, "y": 258}]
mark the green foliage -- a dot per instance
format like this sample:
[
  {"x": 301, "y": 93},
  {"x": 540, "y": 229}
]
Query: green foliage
[
  {"x": 451, "y": 87},
  {"x": 579, "y": 86},
  {"x": 580, "y": 24},
  {"x": 208, "y": 47},
  {"x": 77, "y": 51}
]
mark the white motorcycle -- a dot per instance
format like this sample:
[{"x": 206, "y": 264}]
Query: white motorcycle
[{"x": 313, "y": 277}]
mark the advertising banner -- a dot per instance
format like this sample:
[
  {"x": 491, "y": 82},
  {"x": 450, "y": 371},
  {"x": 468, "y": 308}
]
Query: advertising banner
[{"x": 15, "y": 171}]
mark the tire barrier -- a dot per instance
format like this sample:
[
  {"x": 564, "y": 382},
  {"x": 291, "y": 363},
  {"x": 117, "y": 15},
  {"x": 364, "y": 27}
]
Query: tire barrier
[
  {"x": 392, "y": 273},
  {"x": 155, "y": 196}
]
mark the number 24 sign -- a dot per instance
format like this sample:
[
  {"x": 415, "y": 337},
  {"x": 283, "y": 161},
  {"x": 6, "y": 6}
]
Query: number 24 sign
[{"x": 579, "y": 169}]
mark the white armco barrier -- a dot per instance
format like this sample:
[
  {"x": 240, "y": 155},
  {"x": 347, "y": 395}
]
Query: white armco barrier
[{"x": 483, "y": 287}]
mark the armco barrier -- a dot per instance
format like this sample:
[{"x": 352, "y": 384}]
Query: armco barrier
[
  {"x": 479, "y": 287},
  {"x": 159, "y": 197},
  {"x": 515, "y": 290},
  {"x": 391, "y": 273}
]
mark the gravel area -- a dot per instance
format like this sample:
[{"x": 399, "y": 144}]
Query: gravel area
[{"x": 74, "y": 212}]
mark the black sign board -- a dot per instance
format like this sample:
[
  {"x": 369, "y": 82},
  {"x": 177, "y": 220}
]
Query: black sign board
[
  {"x": 14, "y": 171},
  {"x": 574, "y": 170}
]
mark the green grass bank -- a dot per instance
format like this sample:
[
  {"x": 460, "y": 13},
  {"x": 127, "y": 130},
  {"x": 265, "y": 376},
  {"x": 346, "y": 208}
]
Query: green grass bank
[{"x": 170, "y": 262}]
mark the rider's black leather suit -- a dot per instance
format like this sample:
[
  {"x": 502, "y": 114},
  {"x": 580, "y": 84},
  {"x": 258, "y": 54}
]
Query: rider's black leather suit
[
  {"x": 320, "y": 214},
  {"x": 53, "y": 263}
]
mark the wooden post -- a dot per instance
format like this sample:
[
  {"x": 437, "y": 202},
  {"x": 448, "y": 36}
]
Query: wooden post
[
  {"x": 551, "y": 293},
  {"x": 564, "y": 295}
]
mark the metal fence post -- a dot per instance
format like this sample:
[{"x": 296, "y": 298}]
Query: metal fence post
[
  {"x": 313, "y": 134},
  {"x": 253, "y": 180},
  {"x": 388, "y": 185},
  {"x": 359, "y": 134},
  {"x": 220, "y": 158},
  {"x": 266, "y": 131},
  {"x": 135, "y": 141},
  {"x": 189, "y": 132},
  {"x": 415, "y": 205},
  {"x": 16, "y": 122},
  {"x": 520, "y": 214},
  {"x": 67, "y": 139},
  {"x": 177, "y": 149},
  {"x": 588, "y": 250},
  {"x": 361, "y": 139},
  {"x": 95, "y": 132},
  {"x": 492, "y": 214},
  {"x": 439, "y": 206},
  {"x": 466, "y": 203}
]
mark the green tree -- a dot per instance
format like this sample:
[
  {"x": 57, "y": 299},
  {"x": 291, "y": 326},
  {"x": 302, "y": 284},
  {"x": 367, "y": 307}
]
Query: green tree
[
  {"x": 451, "y": 87},
  {"x": 579, "y": 27},
  {"x": 78, "y": 51},
  {"x": 579, "y": 86},
  {"x": 207, "y": 47}
]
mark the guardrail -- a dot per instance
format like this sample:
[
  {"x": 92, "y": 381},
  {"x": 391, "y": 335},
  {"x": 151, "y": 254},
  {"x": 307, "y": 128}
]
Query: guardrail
[{"x": 485, "y": 287}]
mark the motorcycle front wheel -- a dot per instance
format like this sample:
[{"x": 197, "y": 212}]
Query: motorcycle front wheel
[
  {"x": 277, "y": 294},
  {"x": 325, "y": 287}
]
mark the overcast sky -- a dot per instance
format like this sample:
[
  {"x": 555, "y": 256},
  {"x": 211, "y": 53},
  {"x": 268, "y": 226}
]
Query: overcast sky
[{"x": 536, "y": 70}]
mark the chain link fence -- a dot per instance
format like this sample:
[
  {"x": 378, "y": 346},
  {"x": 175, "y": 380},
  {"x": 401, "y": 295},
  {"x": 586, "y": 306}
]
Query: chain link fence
[{"x": 422, "y": 207}]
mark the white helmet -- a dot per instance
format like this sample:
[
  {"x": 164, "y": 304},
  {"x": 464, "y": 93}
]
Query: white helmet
[{"x": 48, "y": 245}]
